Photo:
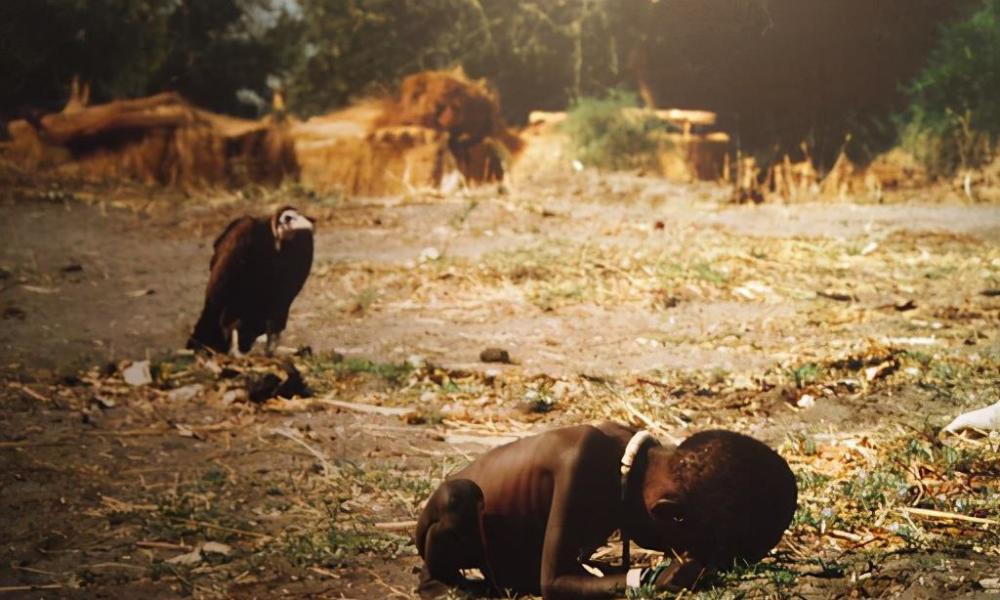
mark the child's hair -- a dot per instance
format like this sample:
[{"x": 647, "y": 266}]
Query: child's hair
[{"x": 740, "y": 496}]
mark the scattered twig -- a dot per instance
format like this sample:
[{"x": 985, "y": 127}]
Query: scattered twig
[
  {"x": 162, "y": 545},
  {"x": 206, "y": 525},
  {"x": 27, "y": 390},
  {"x": 367, "y": 408},
  {"x": 31, "y": 588},
  {"x": 328, "y": 469},
  {"x": 396, "y": 525},
  {"x": 940, "y": 514}
]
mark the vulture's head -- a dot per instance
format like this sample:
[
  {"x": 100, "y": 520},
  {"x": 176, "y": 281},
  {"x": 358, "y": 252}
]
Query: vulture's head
[{"x": 288, "y": 223}]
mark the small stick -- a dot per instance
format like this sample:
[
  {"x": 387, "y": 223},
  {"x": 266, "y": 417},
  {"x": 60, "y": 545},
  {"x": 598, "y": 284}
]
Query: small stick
[
  {"x": 323, "y": 572},
  {"x": 27, "y": 390},
  {"x": 31, "y": 588},
  {"x": 396, "y": 525},
  {"x": 162, "y": 545},
  {"x": 27, "y": 444},
  {"x": 194, "y": 523},
  {"x": 940, "y": 514},
  {"x": 328, "y": 469},
  {"x": 367, "y": 408}
]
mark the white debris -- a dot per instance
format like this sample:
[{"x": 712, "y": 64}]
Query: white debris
[
  {"x": 871, "y": 247},
  {"x": 216, "y": 548},
  {"x": 198, "y": 554},
  {"x": 191, "y": 558},
  {"x": 183, "y": 394},
  {"x": 429, "y": 253},
  {"x": 415, "y": 361},
  {"x": 987, "y": 419},
  {"x": 806, "y": 401},
  {"x": 138, "y": 373}
]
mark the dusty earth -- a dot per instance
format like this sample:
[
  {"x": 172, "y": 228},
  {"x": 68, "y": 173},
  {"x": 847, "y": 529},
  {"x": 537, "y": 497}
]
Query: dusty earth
[{"x": 843, "y": 334}]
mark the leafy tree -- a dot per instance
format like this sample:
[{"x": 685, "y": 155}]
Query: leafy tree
[
  {"x": 204, "y": 49},
  {"x": 353, "y": 47},
  {"x": 953, "y": 120}
]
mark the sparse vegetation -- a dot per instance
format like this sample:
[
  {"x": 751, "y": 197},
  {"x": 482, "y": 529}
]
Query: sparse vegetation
[
  {"x": 612, "y": 133},
  {"x": 953, "y": 121}
]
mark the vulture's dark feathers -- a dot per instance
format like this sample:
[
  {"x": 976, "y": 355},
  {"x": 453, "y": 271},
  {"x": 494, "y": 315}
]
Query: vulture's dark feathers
[{"x": 258, "y": 267}]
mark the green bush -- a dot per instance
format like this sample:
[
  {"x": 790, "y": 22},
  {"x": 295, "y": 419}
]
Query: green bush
[
  {"x": 606, "y": 134},
  {"x": 953, "y": 120}
]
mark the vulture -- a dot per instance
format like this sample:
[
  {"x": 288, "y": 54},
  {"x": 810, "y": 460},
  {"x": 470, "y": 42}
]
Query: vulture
[{"x": 257, "y": 268}]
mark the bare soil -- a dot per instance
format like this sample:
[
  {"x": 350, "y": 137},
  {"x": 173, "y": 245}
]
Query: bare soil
[{"x": 617, "y": 297}]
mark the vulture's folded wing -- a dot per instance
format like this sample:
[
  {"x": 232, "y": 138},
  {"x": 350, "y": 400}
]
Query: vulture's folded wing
[{"x": 233, "y": 260}]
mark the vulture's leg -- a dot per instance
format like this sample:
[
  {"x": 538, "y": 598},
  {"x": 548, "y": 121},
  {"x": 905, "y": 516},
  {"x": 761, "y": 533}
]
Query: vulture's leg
[
  {"x": 234, "y": 345},
  {"x": 273, "y": 339}
]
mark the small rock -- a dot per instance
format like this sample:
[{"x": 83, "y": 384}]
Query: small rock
[
  {"x": 494, "y": 355},
  {"x": 806, "y": 401},
  {"x": 415, "y": 361},
  {"x": 72, "y": 268},
  {"x": 991, "y": 583},
  {"x": 138, "y": 373},
  {"x": 183, "y": 394}
]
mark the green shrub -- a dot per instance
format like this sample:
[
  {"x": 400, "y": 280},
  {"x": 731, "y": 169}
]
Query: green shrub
[
  {"x": 606, "y": 134},
  {"x": 953, "y": 120}
]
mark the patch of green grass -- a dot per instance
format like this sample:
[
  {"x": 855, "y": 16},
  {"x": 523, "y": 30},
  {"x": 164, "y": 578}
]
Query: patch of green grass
[
  {"x": 343, "y": 544},
  {"x": 612, "y": 133},
  {"x": 392, "y": 372},
  {"x": 214, "y": 477},
  {"x": 760, "y": 580},
  {"x": 364, "y": 299},
  {"x": 802, "y": 443},
  {"x": 809, "y": 480},
  {"x": 410, "y": 487},
  {"x": 876, "y": 488},
  {"x": 918, "y": 357},
  {"x": 806, "y": 374},
  {"x": 705, "y": 272}
]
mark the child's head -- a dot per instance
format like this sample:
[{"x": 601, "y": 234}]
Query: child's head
[{"x": 721, "y": 497}]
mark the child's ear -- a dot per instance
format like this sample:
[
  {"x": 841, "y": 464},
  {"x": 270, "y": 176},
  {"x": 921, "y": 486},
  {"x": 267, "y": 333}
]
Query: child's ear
[{"x": 668, "y": 510}]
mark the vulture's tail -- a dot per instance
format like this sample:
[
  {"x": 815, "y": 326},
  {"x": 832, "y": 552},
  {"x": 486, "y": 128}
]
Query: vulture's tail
[{"x": 208, "y": 334}]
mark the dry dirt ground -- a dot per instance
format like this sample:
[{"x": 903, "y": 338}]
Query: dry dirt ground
[{"x": 844, "y": 334}]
